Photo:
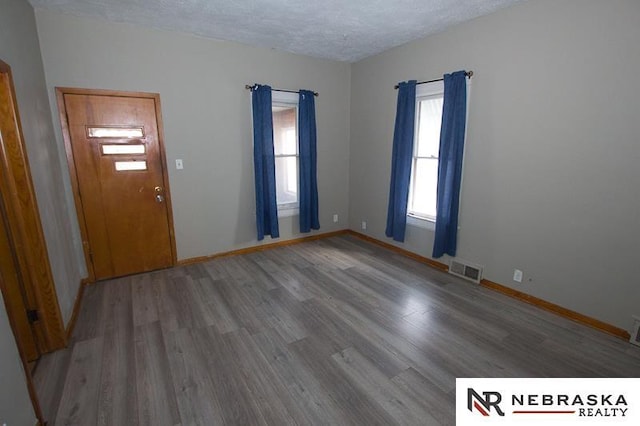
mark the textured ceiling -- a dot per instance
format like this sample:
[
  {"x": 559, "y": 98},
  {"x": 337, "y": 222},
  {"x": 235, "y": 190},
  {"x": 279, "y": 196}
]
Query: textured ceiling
[{"x": 343, "y": 30}]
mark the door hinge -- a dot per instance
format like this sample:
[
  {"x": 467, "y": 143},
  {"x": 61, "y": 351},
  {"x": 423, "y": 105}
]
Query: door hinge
[{"x": 32, "y": 315}]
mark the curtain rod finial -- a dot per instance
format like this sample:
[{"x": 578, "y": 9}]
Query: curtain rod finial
[{"x": 469, "y": 74}]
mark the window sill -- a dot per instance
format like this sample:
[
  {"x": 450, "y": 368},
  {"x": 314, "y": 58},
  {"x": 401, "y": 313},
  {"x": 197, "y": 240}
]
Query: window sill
[
  {"x": 421, "y": 222},
  {"x": 287, "y": 211}
]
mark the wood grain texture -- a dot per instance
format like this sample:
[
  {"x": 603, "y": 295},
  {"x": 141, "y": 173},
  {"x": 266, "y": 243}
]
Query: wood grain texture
[
  {"x": 195, "y": 392},
  {"x": 23, "y": 222},
  {"x": 119, "y": 200},
  {"x": 128, "y": 230},
  {"x": 156, "y": 398},
  {"x": 426, "y": 260},
  {"x": 325, "y": 332},
  {"x": 49, "y": 380},
  {"x": 76, "y": 308},
  {"x": 80, "y": 397},
  {"x": 12, "y": 293},
  {"x": 261, "y": 247},
  {"x": 540, "y": 303},
  {"x": 557, "y": 309}
]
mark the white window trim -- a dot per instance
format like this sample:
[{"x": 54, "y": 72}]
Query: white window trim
[
  {"x": 287, "y": 210},
  {"x": 421, "y": 221},
  {"x": 423, "y": 91},
  {"x": 288, "y": 99},
  {"x": 429, "y": 89}
]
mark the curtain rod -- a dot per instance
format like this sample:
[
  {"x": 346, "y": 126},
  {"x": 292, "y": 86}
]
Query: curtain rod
[
  {"x": 467, "y": 73},
  {"x": 250, "y": 87}
]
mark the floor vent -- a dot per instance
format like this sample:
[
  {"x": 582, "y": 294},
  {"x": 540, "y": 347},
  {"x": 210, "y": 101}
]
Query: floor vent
[
  {"x": 466, "y": 270},
  {"x": 635, "y": 334}
]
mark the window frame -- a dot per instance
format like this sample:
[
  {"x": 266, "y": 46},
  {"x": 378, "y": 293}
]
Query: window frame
[
  {"x": 423, "y": 92},
  {"x": 287, "y": 100}
]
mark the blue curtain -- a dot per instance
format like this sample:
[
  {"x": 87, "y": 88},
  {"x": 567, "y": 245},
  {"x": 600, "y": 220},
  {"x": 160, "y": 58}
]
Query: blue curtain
[
  {"x": 264, "y": 163},
  {"x": 308, "y": 162},
  {"x": 454, "y": 113},
  {"x": 401, "y": 160}
]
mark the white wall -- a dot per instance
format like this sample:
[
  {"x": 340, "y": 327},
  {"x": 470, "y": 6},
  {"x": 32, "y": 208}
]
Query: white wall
[
  {"x": 20, "y": 49},
  {"x": 551, "y": 172},
  {"x": 207, "y": 117}
]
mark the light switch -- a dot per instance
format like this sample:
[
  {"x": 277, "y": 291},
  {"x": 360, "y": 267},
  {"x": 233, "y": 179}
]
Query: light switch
[
  {"x": 179, "y": 165},
  {"x": 517, "y": 275}
]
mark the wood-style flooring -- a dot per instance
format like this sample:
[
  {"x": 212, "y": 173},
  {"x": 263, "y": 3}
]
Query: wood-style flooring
[{"x": 332, "y": 332}]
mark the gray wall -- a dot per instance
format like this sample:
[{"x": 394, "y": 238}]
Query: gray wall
[
  {"x": 207, "y": 117},
  {"x": 549, "y": 181},
  {"x": 19, "y": 48},
  {"x": 15, "y": 405},
  {"x": 551, "y": 170}
]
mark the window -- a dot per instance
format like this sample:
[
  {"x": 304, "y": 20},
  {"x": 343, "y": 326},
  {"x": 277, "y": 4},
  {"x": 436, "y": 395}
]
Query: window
[
  {"x": 115, "y": 132},
  {"x": 424, "y": 168},
  {"x": 130, "y": 165},
  {"x": 122, "y": 149},
  {"x": 285, "y": 144}
]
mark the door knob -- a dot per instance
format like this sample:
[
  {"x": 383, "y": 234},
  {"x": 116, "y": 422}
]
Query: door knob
[{"x": 159, "y": 196}]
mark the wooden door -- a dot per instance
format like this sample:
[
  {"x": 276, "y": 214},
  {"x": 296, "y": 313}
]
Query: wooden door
[
  {"x": 13, "y": 292},
  {"x": 26, "y": 281},
  {"x": 11, "y": 283},
  {"x": 121, "y": 181}
]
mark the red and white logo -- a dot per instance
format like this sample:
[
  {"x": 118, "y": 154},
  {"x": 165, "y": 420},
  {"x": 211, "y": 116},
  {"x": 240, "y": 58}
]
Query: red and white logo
[
  {"x": 548, "y": 401},
  {"x": 484, "y": 404}
]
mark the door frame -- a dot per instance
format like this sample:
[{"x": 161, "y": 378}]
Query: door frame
[
  {"x": 62, "y": 110},
  {"x": 25, "y": 228},
  {"x": 27, "y": 243}
]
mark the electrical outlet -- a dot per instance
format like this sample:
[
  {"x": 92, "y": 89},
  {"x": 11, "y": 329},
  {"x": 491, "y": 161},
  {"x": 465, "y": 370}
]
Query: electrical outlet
[
  {"x": 364, "y": 224},
  {"x": 335, "y": 218},
  {"x": 517, "y": 275}
]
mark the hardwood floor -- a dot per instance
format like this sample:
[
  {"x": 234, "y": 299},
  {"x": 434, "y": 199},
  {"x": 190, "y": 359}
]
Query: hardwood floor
[{"x": 330, "y": 332}]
